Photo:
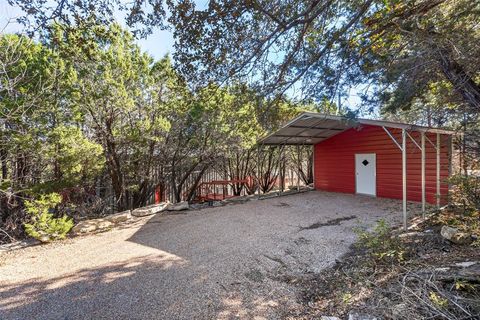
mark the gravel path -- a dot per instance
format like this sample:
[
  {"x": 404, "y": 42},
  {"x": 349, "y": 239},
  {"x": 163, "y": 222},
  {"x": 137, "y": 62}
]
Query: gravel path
[{"x": 217, "y": 263}]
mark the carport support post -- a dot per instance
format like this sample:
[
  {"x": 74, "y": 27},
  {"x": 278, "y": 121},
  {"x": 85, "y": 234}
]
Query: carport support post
[
  {"x": 404, "y": 177},
  {"x": 423, "y": 173},
  {"x": 298, "y": 168},
  {"x": 438, "y": 170},
  {"x": 279, "y": 168},
  {"x": 258, "y": 169}
]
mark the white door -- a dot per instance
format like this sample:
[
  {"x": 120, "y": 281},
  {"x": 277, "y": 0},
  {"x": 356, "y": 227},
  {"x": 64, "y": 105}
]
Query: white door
[{"x": 365, "y": 171}]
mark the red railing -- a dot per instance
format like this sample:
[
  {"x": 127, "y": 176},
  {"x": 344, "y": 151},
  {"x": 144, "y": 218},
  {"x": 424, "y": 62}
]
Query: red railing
[{"x": 209, "y": 191}]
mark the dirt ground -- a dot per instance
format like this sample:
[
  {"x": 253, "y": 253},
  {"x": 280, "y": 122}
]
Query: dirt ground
[{"x": 226, "y": 262}]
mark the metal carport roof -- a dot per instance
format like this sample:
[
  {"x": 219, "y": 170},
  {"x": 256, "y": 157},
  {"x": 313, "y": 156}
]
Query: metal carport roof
[{"x": 311, "y": 128}]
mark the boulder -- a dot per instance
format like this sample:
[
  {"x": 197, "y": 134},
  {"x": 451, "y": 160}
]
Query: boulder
[
  {"x": 103, "y": 224},
  {"x": 18, "y": 245},
  {"x": 218, "y": 203},
  {"x": 84, "y": 227},
  {"x": 88, "y": 226},
  {"x": 119, "y": 217},
  {"x": 149, "y": 210},
  {"x": 236, "y": 199},
  {"x": 183, "y": 205},
  {"x": 329, "y": 318},
  {"x": 198, "y": 206},
  {"x": 456, "y": 236}
]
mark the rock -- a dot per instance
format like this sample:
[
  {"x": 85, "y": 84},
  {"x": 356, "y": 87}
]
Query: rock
[
  {"x": 119, "y": 217},
  {"x": 465, "y": 264},
  {"x": 410, "y": 234},
  {"x": 183, "y": 205},
  {"x": 103, "y": 224},
  {"x": 88, "y": 226},
  {"x": 18, "y": 245},
  {"x": 455, "y": 236},
  {"x": 360, "y": 316},
  {"x": 469, "y": 273},
  {"x": 441, "y": 269},
  {"x": 198, "y": 206},
  {"x": 44, "y": 239},
  {"x": 236, "y": 199},
  {"x": 84, "y": 227},
  {"x": 329, "y": 318},
  {"x": 149, "y": 210}
]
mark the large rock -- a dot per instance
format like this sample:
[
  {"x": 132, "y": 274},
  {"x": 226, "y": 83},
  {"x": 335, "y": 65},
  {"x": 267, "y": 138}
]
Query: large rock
[
  {"x": 84, "y": 227},
  {"x": 183, "y": 205},
  {"x": 218, "y": 203},
  {"x": 149, "y": 210},
  {"x": 88, "y": 226},
  {"x": 329, "y": 318},
  {"x": 119, "y": 217},
  {"x": 104, "y": 224},
  {"x": 456, "y": 236}
]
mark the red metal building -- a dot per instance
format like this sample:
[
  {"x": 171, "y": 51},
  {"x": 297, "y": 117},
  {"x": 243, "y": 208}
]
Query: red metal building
[
  {"x": 373, "y": 157},
  {"x": 335, "y": 166}
]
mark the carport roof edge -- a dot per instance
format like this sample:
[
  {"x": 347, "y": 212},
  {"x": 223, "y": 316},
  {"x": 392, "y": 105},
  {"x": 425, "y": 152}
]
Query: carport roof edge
[{"x": 311, "y": 128}]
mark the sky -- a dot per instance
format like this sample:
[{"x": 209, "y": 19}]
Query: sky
[{"x": 158, "y": 44}]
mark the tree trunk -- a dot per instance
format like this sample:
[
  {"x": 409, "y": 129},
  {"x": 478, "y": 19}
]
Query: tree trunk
[
  {"x": 115, "y": 172},
  {"x": 191, "y": 192},
  {"x": 184, "y": 177},
  {"x": 4, "y": 164}
]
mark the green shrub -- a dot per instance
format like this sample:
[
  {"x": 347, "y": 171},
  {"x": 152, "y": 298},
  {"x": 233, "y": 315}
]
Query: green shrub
[
  {"x": 43, "y": 226},
  {"x": 380, "y": 243},
  {"x": 465, "y": 192}
]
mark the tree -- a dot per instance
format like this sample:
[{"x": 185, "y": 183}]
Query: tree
[
  {"x": 276, "y": 43},
  {"x": 119, "y": 104},
  {"x": 42, "y": 147},
  {"x": 318, "y": 47},
  {"x": 411, "y": 46},
  {"x": 423, "y": 57}
]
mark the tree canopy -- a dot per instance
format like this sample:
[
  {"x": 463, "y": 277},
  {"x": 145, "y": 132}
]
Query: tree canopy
[{"x": 315, "y": 48}]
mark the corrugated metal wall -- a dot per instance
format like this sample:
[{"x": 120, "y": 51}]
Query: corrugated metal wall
[{"x": 334, "y": 163}]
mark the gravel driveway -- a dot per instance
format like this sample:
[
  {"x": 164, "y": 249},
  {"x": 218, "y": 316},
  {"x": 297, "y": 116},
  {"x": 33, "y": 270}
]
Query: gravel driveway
[{"x": 218, "y": 263}]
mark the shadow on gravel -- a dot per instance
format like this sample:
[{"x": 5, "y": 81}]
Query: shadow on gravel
[
  {"x": 118, "y": 291},
  {"x": 139, "y": 288}
]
